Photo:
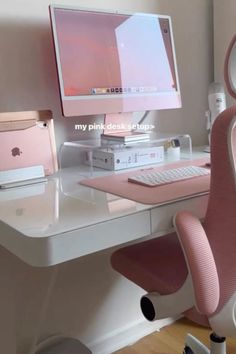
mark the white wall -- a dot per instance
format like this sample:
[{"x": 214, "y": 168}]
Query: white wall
[
  {"x": 194, "y": 46},
  {"x": 224, "y": 29},
  {"x": 90, "y": 301}
]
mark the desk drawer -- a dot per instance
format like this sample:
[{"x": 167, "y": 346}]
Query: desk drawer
[
  {"x": 47, "y": 251},
  {"x": 162, "y": 217},
  {"x": 77, "y": 243}
]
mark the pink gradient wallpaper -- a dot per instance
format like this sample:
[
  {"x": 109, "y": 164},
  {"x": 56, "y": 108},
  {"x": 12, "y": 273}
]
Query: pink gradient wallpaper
[{"x": 112, "y": 53}]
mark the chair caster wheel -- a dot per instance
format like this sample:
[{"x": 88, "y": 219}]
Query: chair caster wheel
[{"x": 188, "y": 350}]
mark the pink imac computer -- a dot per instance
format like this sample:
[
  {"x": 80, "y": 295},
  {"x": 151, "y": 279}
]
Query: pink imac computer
[{"x": 113, "y": 62}]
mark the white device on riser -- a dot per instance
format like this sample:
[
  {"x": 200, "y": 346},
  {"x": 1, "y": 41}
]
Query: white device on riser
[{"x": 126, "y": 157}]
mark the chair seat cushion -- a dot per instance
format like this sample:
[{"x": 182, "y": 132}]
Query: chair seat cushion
[{"x": 154, "y": 265}]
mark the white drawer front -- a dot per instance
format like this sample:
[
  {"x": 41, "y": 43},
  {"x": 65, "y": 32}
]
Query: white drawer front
[{"x": 162, "y": 217}]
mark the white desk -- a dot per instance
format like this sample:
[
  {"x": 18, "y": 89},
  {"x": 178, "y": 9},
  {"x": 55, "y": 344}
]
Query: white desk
[
  {"x": 51, "y": 223},
  {"x": 47, "y": 224}
]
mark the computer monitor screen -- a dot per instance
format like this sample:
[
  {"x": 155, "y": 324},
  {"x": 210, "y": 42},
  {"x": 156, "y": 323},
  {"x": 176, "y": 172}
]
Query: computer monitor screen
[{"x": 109, "y": 62}]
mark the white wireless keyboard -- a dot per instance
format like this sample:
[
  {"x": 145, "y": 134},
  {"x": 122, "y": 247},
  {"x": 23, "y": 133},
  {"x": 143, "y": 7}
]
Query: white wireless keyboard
[{"x": 153, "y": 179}]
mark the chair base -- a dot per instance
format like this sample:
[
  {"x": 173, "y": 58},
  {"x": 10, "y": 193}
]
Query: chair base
[{"x": 194, "y": 346}]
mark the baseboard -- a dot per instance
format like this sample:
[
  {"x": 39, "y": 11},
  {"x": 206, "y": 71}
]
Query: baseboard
[{"x": 126, "y": 336}]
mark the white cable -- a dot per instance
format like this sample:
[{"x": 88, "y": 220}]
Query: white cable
[
  {"x": 48, "y": 342},
  {"x": 43, "y": 312}
]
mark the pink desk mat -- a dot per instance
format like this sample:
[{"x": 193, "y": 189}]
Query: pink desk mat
[{"x": 118, "y": 184}]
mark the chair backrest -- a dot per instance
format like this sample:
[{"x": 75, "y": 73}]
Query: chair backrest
[
  {"x": 222, "y": 199},
  {"x": 220, "y": 221}
]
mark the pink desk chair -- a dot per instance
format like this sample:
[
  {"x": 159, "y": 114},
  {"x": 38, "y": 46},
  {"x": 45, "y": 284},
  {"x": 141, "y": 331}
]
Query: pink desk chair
[{"x": 193, "y": 271}]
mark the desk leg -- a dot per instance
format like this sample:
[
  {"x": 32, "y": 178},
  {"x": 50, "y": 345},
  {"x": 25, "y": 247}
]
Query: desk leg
[{"x": 54, "y": 344}]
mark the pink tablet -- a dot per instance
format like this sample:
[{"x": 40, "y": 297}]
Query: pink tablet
[{"x": 27, "y": 141}]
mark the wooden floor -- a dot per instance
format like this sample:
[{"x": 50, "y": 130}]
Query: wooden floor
[{"x": 170, "y": 340}]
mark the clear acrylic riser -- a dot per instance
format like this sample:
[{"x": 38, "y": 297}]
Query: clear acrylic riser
[{"x": 80, "y": 153}]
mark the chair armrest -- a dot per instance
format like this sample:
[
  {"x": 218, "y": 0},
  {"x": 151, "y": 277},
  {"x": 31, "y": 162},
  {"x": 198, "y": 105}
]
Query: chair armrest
[{"x": 200, "y": 262}]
